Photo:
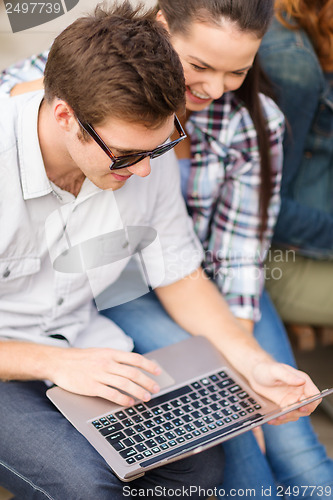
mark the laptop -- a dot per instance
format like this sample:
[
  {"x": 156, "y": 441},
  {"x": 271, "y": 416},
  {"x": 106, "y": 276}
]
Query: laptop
[{"x": 203, "y": 401}]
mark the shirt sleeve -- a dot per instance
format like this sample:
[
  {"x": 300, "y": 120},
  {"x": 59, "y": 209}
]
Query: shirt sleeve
[
  {"x": 234, "y": 254},
  {"x": 23, "y": 71}
]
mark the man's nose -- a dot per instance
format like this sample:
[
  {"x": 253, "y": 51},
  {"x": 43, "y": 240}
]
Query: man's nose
[{"x": 142, "y": 169}]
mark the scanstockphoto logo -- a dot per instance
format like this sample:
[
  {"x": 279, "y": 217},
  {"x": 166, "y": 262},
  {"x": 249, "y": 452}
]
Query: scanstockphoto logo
[{"x": 27, "y": 14}]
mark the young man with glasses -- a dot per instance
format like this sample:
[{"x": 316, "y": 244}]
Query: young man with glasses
[
  {"x": 112, "y": 87},
  {"x": 113, "y": 77}
]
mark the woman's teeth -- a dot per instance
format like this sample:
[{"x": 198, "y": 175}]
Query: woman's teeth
[{"x": 197, "y": 94}]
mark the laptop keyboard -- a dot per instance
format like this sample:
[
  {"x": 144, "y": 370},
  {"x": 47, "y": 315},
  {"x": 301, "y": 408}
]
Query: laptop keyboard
[{"x": 191, "y": 414}]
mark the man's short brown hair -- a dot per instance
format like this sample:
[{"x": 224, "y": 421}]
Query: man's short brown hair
[{"x": 117, "y": 63}]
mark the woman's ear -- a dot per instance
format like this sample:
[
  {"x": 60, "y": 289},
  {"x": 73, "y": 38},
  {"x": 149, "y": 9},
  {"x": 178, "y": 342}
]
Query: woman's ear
[{"x": 161, "y": 18}]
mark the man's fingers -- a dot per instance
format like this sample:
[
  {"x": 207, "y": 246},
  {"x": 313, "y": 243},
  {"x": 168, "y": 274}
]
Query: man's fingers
[{"x": 134, "y": 359}]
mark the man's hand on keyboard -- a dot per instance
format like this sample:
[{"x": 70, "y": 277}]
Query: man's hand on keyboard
[
  {"x": 104, "y": 373},
  {"x": 284, "y": 385}
]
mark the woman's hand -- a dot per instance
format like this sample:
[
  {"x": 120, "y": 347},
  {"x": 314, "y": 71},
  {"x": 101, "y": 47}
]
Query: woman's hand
[
  {"x": 105, "y": 373},
  {"x": 284, "y": 385}
]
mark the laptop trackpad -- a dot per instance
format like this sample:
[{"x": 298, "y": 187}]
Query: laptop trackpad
[{"x": 164, "y": 379}]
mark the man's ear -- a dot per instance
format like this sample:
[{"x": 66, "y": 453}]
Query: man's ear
[
  {"x": 161, "y": 18},
  {"x": 64, "y": 115}
]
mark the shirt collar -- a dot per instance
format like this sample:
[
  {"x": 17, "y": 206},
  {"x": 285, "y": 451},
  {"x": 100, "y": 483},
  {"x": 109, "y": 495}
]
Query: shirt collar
[{"x": 35, "y": 182}]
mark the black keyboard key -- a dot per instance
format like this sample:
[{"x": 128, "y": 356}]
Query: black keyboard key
[
  {"x": 206, "y": 411},
  {"x": 117, "y": 436},
  {"x": 217, "y": 415},
  {"x": 155, "y": 449},
  {"x": 130, "y": 412},
  {"x": 158, "y": 430},
  {"x": 139, "y": 428},
  {"x": 197, "y": 404},
  {"x": 215, "y": 407},
  {"x": 198, "y": 423},
  {"x": 169, "y": 395},
  {"x": 242, "y": 395},
  {"x": 188, "y": 437},
  {"x": 196, "y": 385},
  {"x": 160, "y": 439},
  {"x": 149, "y": 434},
  {"x": 179, "y": 432},
  {"x": 127, "y": 422},
  {"x": 235, "y": 388},
  {"x": 189, "y": 427},
  {"x": 128, "y": 442},
  {"x": 138, "y": 457},
  {"x": 150, "y": 443},
  {"x": 206, "y": 401},
  {"x": 170, "y": 435},
  {"x": 137, "y": 418},
  {"x": 120, "y": 415},
  {"x": 111, "y": 429},
  {"x": 215, "y": 397},
  {"x": 178, "y": 412},
  {"x": 129, "y": 432},
  {"x": 223, "y": 374},
  {"x": 225, "y": 393},
  {"x": 147, "y": 414},
  {"x": 188, "y": 408},
  {"x": 176, "y": 403},
  {"x": 139, "y": 438},
  {"x": 205, "y": 381},
  {"x": 180, "y": 440},
  {"x": 187, "y": 418},
  {"x": 177, "y": 422},
  {"x": 212, "y": 388},
  {"x": 172, "y": 442},
  {"x": 147, "y": 453},
  {"x": 149, "y": 424},
  {"x": 225, "y": 383},
  {"x": 128, "y": 453},
  {"x": 140, "y": 447},
  {"x": 227, "y": 412},
  {"x": 140, "y": 407},
  {"x": 185, "y": 399},
  {"x": 196, "y": 414},
  {"x": 168, "y": 426},
  {"x": 233, "y": 399},
  {"x": 164, "y": 446},
  {"x": 131, "y": 460},
  {"x": 157, "y": 411},
  {"x": 167, "y": 407},
  {"x": 117, "y": 445},
  {"x": 208, "y": 420},
  {"x": 97, "y": 424},
  {"x": 168, "y": 416},
  {"x": 194, "y": 396},
  {"x": 214, "y": 378},
  {"x": 203, "y": 392},
  {"x": 104, "y": 421},
  {"x": 236, "y": 408}
]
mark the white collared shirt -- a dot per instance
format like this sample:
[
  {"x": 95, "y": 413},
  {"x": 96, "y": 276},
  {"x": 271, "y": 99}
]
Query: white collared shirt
[{"x": 58, "y": 253}]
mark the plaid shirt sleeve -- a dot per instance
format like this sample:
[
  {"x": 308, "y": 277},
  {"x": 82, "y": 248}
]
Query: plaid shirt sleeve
[
  {"x": 23, "y": 71},
  {"x": 223, "y": 197}
]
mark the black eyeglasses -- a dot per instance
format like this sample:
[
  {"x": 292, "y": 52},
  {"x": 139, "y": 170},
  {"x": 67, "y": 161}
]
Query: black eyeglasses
[{"x": 133, "y": 158}]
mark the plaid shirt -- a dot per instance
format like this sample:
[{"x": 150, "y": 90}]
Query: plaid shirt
[
  {"x": 223, "y": 197},
  {"x": 222, "y": 189}
]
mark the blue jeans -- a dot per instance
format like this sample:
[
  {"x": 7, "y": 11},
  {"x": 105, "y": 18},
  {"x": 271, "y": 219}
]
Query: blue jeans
[
  {"x": 43, "y": 456},
  {"x": 294, "y": 457}
]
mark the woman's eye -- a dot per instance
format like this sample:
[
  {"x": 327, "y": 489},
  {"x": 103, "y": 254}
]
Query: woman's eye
[
  {"x": 240, "y": 73},
  {"x": 197, "y": 68}
]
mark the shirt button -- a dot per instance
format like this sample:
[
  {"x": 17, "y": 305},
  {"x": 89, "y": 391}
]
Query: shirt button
[
  {"x": 6, "y": 273},
  {"x": 60, "y": 301}
]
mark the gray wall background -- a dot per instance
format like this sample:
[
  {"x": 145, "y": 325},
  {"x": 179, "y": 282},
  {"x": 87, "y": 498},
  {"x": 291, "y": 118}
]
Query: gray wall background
[{"x": 17, "y": 46}]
